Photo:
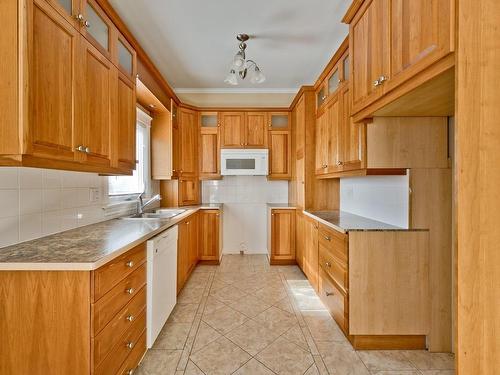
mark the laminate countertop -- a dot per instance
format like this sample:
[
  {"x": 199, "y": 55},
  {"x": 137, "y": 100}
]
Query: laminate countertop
[
  {"x": 346, "y": 222},
  {"x": 87, "y": 248}
]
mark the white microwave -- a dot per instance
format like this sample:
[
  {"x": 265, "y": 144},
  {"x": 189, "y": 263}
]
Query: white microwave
[{"x": 244, "y": 162}]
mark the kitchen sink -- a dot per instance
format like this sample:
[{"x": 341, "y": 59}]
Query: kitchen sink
[{"x": 160, "y": 214}]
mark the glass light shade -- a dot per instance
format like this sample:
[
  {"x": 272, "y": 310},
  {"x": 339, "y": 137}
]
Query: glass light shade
[
  {"x": 258, "y": 76},
  {"x": 239, "y": 61},
  {"x": 231, "y": 78}
]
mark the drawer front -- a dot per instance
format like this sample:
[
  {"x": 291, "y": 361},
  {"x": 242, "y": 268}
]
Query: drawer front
[
  {"x": 335, "y": 301},
  {"x": 107, "y": 276},
  {"x": 133, "y": 359},
  {"x": 123, "y": 348},
  {"x": 334, "y": 267},
  {"x": 122, "y": 321},
  {"x": 108, "y": 306},
  {"x": 335, "y": 241}
]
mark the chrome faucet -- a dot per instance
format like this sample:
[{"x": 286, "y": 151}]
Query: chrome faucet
[{"x": 141, "y": 205}]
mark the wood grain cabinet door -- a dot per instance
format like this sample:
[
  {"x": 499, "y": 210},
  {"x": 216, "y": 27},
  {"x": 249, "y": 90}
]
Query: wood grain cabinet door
[
  {"x": 283, "y": 235},
  {"x": 279, "y": 154},
  {"x": 97, "y": 93},
  {"x": 351, "y": 141},
  {"x": 189, "y": 191},
  {"x": 176, "y": 142},
  {"x": 333, "y": 133},
  {"x": 188, "y": 126},
  {"x": 52, "y": 78},
  {"x": 370, "y": 51},
  {"x": 421, "y": 35},
  {"x": 210, "y": 230},
  {"x": 255, "y": 134},
  {"x": 233, "y": 127},
  {"x": 311, "y": 250},
  {"x": 209, "y": 153},
  {"x": 69, "y": 9},
  {"x": 124, "y": 142},
  {"x": 322, "y": 142}
]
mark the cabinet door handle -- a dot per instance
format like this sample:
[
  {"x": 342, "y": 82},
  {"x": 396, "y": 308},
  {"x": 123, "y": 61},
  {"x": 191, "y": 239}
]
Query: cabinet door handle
[
  {"x": 130, "y": 372},
  {"x": 129, "y": 290},
  {"x": 80, "y": 148},
  {"x": 87, "y": 150},
  {"x": 328, "y": 238},
  {"x": 376, "y": 83},
  {"x": 86, "y": 24},
  {"x": 382, "y": 79},
  {"x": 340, "y": 163},
  {"x": 328, "y": 264},
  {"x": 328, "y": 294},
  {"x": 130, "y": 318},
  {"x": 129, "y": 264},
  {"x": 129, "y": 344}
]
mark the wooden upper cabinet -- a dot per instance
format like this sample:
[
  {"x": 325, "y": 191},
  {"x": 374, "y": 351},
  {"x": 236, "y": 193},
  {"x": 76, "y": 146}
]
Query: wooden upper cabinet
[
  {"x": 52, "y": 77},
  {"x": 370, "y": 51},
  {"x": 98, "y": 28},
  {"x": 327, "y": 137},
  {"x": 188, "y": 131},
  {"x": 210, "y": 235},
  {"x": 321, "y": 94},
  {"x": 321, "y": 142},
  {"x": 279, "y": 154},
  {"x": 189, "y": 191},
  {"x": 255, "y": 130},
  {"x": 351, "y": 140},
  {"x": 125, "y": 127},
  {"x": 94, "y": 110},
  {"x": 421, "y": 35},
  {"x": 233, "y": 128},
  {"x": 282, "y": 239},
  {"x": 209, "y": 146},
  {"x": 176, "y": 142}
]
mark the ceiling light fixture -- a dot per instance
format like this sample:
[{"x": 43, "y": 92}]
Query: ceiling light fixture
[{"x": 243, "y": 66}]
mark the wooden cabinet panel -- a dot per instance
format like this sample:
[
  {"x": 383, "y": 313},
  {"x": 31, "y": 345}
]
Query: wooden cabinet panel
[
  {"x": 255, "y": 133},
  {"x": 189, "y": 191},
  {"x": 282, "y": 235},
  {"x": 279, "y": 154},
  {"x": 125, "y": 143},
  {"x": 98, "y": 29},
  {"x": 370, "y": 51},
  {"x": 188, "y": 126},
  {"x": 421, "y": 34},
  {"x": 278, "y": 120},
  {"x": 52, "y": 76},
  {"x": 94, "y": 110},
  {"x": 135, "y": 356},
  {"x": 176, "y": 142},
  {"x": 350, "y": 141},
  {"x": 300, "y": 240},
  {"x": 322, "y": 142},
  {"x": 233, "y": 128},
  {"x": 209, "y": 153},
  {"x": 162, "y": 146},
  {"x": 183, "y": 244},
  {"x": 210, "y": 235},
  {"x": 336, "y": 302},
  {"x": 194, "y": 233},
  {"x": 311, "y": 251}
]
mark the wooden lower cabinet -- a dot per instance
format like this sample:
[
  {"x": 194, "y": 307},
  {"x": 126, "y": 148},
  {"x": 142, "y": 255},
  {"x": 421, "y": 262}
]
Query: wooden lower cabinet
[
  {"x": 311, "y": 264},
  {"x": 281, "y": 236},
  {"x": 75, "y": 329},
  {"x": 210, "y": 236}
]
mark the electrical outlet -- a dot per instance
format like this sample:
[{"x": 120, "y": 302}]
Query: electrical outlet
[{"x": 95, "y": 195}]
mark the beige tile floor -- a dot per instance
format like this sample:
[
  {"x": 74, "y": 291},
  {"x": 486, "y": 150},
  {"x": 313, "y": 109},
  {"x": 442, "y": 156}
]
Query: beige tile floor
[{"x": 246, "y": 317}]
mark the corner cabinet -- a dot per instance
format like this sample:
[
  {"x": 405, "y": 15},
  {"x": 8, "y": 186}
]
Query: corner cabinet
[
  {"x": 78, "y": 109},
  {"x": 281, "y": 236}
]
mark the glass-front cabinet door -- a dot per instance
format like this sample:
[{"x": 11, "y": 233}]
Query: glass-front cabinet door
[
  {"x": 127, "y": 58},
  {"x": 70, "y": 10},
  {"x": 97, "y": 27},
  {"x": 278, "y": 120},
  {"x": 334, "y": 81}
]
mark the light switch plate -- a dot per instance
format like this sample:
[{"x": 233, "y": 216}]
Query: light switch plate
[{"x": 94, "y": 195}]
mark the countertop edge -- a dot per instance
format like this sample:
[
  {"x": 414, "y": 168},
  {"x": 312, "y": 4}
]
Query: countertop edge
[{"x": 79, "y": 266}]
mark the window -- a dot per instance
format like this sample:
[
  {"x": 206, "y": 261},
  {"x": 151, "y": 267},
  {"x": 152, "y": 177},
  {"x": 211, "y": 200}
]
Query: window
[{"x": 140, "y": 181}]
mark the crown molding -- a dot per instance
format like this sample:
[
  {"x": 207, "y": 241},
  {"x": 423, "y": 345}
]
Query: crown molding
[{"x": 228, "y": 90}]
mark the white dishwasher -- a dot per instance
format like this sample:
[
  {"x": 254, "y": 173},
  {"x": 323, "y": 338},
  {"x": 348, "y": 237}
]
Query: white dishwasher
[{"x": 162, "y": 281}]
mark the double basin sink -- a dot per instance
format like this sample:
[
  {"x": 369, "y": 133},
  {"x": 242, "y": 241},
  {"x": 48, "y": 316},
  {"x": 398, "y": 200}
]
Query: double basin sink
[{"x": 160, "y": 214}]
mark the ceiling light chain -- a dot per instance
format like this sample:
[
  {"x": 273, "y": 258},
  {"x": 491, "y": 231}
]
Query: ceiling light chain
[{"x": 242, "y": 65}]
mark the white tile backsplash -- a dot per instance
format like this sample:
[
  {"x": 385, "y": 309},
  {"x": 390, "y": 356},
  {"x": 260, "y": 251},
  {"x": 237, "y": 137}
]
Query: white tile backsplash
[
  {"x": 382, "y": 198},
  {"x": 245, "y": 210},
  {"x": 38, "y": 202}
]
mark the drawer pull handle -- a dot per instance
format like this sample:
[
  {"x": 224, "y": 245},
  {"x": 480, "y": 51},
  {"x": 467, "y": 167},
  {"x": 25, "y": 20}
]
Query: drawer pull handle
[
  {"x": 130, "y": 372},
  {"x": 328, "y": 264},
  {"x": 328, "y": 294},
  {"x": 130, "y": 318},
  {"x": 328, "y": 238},
  {"x": 129, "y": 290},
  {"x": 129, "y": 345},
  {"x": 130, "y": 264}
]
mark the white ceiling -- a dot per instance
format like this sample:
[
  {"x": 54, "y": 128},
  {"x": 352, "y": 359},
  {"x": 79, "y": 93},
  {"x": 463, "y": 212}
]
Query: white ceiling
[{"x": 192, "y": 42}]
